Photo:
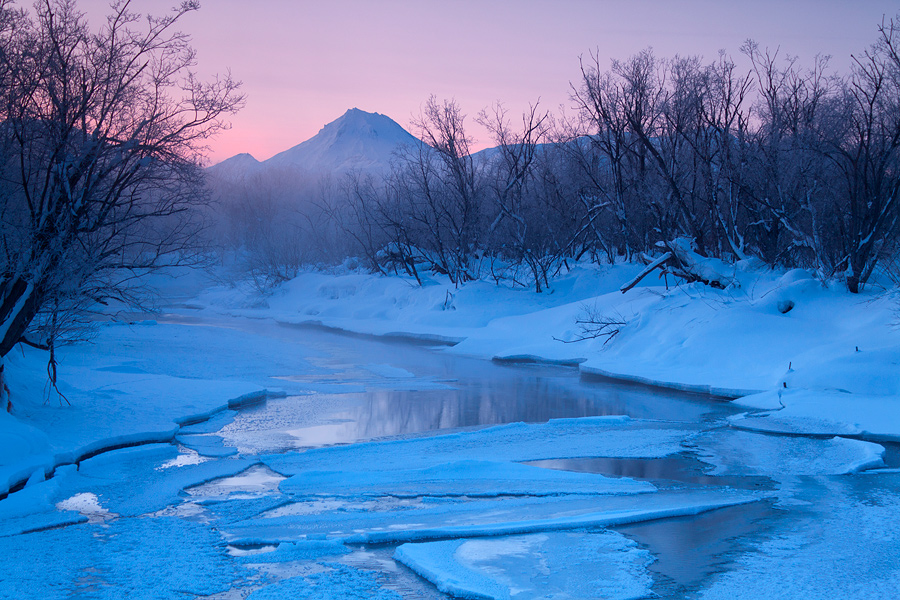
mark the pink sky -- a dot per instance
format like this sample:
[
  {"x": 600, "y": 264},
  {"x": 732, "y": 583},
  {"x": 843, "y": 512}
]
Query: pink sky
[{"x": 304, "y": 63}]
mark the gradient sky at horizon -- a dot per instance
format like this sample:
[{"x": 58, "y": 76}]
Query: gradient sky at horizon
[{"x": 305, "y": 63}]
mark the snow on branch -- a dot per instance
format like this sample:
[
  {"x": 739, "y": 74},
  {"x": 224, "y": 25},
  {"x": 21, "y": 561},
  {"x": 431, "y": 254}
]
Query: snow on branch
[{"x": 681, "y": 260}]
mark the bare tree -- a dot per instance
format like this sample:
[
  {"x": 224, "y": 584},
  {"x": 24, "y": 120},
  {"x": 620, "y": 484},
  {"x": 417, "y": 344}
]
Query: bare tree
[
  {"x": 787, "y": 178},
  {"x": 600, "y": 102},
  {"x": 101, "y": 136},
  {"x": 719, "y": 143},
  {"x": 866, "y": 152},
  {"x": 444, "y": 186},
  {"x": 513, "y": 183}
]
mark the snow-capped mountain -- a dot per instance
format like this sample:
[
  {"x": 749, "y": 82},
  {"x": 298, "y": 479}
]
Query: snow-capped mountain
[
  {"x": 235, "y": 167},
  {"x": 357, "y": 140}
]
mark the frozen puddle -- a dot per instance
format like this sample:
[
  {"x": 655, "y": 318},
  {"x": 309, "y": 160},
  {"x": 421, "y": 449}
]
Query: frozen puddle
[
  {"x": 389, "y": 371},
  {"x": 250, "y": 549},
  {"x": 186, "y": 457}
]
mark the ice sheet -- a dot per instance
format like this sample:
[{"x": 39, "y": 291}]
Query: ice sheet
[
  {"x": 841, "y": 542},
  {"x": 466, "y": 517},
  {"x": 570, "y": 565},
  {"x": 461, "y": 478},
  {"x": 749, "y": 453}
]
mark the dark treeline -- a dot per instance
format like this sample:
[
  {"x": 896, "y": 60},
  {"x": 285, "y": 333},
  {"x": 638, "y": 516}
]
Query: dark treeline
[{"x": 784, "y": 163}]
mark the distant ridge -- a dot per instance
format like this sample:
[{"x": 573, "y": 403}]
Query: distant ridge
[{"x": 357, "y": 140}]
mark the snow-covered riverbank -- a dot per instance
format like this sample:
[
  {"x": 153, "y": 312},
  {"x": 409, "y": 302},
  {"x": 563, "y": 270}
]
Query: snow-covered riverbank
[{"x": 822, "y": 360}]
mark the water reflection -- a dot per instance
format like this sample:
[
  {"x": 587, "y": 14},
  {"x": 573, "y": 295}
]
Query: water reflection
[
  {"x": 357, "y": 393},
  {"x": 690, "y": 549},
  {"x": 483, "y": 396},
  {"x": 676, "y": 468}
]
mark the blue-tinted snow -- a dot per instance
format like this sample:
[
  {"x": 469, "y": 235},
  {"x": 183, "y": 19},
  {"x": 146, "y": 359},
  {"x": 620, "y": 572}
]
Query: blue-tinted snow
[
  {"x": 138, "y": 559},
  {"x": 337, "y": 582}
]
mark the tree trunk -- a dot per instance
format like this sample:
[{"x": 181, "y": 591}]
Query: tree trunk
[{"x": 16, "y": 312}]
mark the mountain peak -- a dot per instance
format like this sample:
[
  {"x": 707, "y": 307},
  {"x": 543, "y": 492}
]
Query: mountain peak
[
  {"x": 360, "y": 122},
  {"x": 235, "y": 167},
  {"x": 355, "y": 140}
]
